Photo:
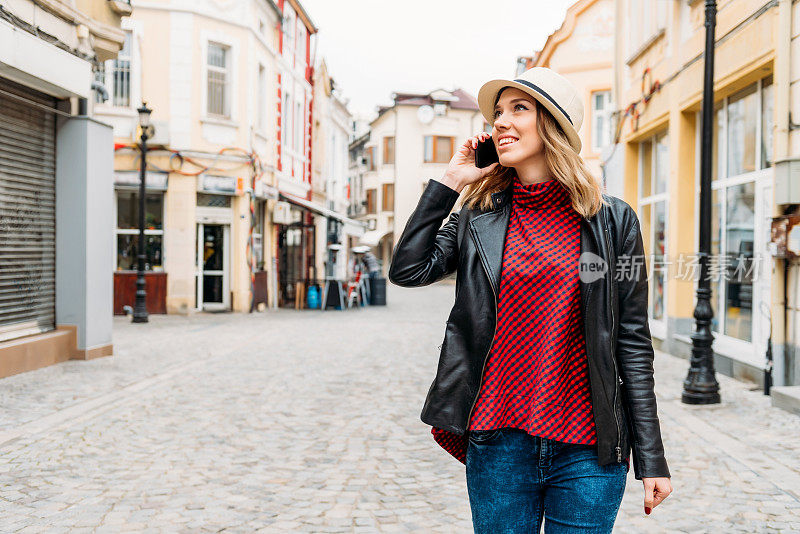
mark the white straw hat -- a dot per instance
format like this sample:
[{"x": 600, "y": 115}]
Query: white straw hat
[{"x": 550, "y": 89}]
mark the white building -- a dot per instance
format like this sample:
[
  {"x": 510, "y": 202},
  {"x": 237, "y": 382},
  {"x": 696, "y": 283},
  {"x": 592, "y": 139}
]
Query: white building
[
  {"x": 331, "y": 137},
  {"x": 409, "y": 143}
]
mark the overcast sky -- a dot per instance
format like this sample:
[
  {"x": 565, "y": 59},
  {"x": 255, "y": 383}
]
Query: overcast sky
[{"x": 375, "y": 47}]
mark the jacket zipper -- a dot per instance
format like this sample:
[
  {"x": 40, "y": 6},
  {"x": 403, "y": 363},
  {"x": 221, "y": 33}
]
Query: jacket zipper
[
  {"x": 486, "y": 357},
  {"x": 618, "y": 448},
  {"x": 617, "y": 377},
  {"x": 617, "y": 382}
]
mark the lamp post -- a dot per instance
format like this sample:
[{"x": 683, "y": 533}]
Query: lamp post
[
  {"x": 700, "y": 385},
  {"x": 140, "y": 308}
]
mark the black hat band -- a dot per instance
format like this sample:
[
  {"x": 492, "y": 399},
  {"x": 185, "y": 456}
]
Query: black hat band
[{"x": 547, "y": 96}]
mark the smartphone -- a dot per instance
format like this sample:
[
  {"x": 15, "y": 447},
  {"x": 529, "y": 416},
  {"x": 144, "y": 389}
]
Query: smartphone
[{"x": 486, "y": 153}]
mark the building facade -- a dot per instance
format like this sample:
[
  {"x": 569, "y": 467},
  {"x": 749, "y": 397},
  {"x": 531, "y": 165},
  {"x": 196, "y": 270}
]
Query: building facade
[
  {"x": 230, "y": 220},
  {"x": 658, "y": 88},
  {"x": 359, "y": 136},
  {"x": 356, "y": 192},
  {"x": 409, "y": 143},
  {"x": 302, "y": 229},
  {"x": 330, "y": 140},
  {"x": 582, "y": 50},
  {"x": 211, "y": 82},
  {"x": 296, "y": 227},
  {"x": 55, "y": 159}
]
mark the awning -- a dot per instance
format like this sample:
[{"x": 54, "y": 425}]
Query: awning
[
  {"x": 321, "y": 210},
  {"x": 373, "y": 237}
]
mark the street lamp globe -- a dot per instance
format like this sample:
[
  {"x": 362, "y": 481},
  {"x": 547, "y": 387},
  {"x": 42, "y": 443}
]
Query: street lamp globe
[{"x": 144, "y": 115}]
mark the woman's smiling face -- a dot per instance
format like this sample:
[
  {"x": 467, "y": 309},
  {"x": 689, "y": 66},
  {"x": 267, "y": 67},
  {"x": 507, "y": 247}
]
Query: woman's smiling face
[{"x": 514, "y": 131}]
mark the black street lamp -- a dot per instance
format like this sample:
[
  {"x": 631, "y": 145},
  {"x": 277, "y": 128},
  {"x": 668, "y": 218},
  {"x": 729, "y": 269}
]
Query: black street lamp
[
  {"x": 140, "y": 308},
  {"x": 700, "y": 385}
]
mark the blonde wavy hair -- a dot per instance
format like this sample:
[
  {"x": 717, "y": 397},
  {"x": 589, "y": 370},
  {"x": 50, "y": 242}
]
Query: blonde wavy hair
[{"x": 562, "y": 161}]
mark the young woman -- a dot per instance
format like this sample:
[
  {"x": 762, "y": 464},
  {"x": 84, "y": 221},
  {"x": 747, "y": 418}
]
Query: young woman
[{"x": 545, "y": 378}]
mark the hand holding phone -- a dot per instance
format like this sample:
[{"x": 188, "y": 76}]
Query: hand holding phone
[
  {"x": 462, "y": 169},
  {"x": 486, "y": 153}
]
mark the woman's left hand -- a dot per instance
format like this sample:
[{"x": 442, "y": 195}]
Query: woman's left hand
[{"x": 655, "y": 490}]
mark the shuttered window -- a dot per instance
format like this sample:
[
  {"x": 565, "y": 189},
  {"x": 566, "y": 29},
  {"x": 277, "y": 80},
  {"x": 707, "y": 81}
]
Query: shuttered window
[{"x": 27, "y": 213}]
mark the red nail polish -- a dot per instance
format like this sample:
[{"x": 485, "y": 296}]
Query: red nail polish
[{"x": 647, "y": 510}]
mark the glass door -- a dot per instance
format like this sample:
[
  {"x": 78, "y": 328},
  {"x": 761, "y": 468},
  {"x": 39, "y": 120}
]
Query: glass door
[
  {"x": 290, "y": 267},
  {"x": 212, "y": 267}
]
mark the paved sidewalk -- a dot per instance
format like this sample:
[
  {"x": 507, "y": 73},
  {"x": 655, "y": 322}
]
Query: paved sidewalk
[{"x": 308, "y": 421}]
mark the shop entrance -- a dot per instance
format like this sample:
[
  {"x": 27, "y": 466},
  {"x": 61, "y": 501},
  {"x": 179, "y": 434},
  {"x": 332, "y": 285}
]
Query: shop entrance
[
  {"x": 295, "y": 261},
  {"x": 212, "y": 280}
]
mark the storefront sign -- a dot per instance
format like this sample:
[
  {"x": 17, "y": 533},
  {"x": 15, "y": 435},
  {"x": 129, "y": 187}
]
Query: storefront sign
[
  {"x": 154, "y": 181},
  {"x": 219, "y": 185}
]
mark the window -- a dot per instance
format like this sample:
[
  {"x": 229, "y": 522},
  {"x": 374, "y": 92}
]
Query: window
[
  {"x": 767, "y": 99},
  {"x": 115, "y": 75},
  {"x": 741, "y": 128},
  {"x": 288, "y": 31},
  {"x": 217, "y": 65},
  {"x": 261, "y": 94},
  {"x": 286, "y": 119},
  {"x": 258, "y": 236},
  {"x": 601, "y": 120},
  {"x": 121, "y": 95},
  {"x": 300, "y": 58},
  {"x": 742, "y": 140},
  {"x": 428, "y": 149},
  {"x": 653, "y": 186},
  {"x": 741, "y": 150},
  {"x": 438, "y": 149},
  {"x": 732, "y": 261},
  {"x": 388, "y": 150},
  {"x": 388, "y": 197},
  {"x": 335, "y": 162},
  {"x": 371, "y": 204},
  {"x": 127, "y": 231},
  {"x": 298, "y": 127},
  {"x": 369, "y": 154},
  {"x": 647, "y": 19},
  {"x": 211, "y": 200}
]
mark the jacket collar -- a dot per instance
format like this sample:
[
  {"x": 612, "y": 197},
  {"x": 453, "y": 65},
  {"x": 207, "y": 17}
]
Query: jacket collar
[
  {"x": 490, "y": 231},
  {"x": 504, "y": 197},
  {"x": 501, "y": 198}
]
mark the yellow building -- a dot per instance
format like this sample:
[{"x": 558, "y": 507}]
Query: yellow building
[
  {"x": 212, "y": 84},
  {"x": 582, "y": 50},
  {"x": 658, "y": 85},
  {"x": 231, "y": 221}
]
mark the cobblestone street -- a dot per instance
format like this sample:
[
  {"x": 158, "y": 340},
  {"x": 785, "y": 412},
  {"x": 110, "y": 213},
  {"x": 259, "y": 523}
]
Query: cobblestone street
[{"x": 308, "y": 421}]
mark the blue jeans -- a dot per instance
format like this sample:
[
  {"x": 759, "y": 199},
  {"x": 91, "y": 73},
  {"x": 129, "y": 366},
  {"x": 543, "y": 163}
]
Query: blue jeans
[{"x": 514, "y": 479}]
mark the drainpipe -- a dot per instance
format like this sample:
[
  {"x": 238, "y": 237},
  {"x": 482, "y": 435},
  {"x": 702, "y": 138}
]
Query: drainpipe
[
  {"x": 782, "y": 80},
  {"x": 395, "y": 233}
]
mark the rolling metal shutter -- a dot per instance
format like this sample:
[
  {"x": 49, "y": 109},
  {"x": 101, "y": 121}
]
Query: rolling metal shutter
[{"x": 27, "y": 212}]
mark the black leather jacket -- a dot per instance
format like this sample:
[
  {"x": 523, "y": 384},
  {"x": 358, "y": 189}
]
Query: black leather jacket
[{"x": 618, "y": 342}]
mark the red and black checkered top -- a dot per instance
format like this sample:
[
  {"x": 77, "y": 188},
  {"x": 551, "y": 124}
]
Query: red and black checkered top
[{"x": 536, "y": 376}]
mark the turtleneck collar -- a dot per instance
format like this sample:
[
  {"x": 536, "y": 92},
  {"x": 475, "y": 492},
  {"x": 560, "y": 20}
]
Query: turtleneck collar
[{"x": 540, "y": 195}]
